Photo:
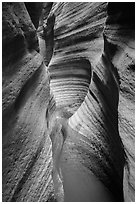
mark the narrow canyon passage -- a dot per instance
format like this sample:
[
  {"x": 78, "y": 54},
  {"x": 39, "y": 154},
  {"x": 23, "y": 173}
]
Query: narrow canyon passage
[
  {"x": 80, "y": 184},
  {"x": 73, "y": 181},
  {"x": 68, "y": 102}
]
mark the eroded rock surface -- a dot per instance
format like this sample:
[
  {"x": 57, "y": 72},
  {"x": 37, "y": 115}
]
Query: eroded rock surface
[
  {"x": 27, "y": 163},
  {"x": 68, "y": 130},
  {"x": 104, "y": 36}
]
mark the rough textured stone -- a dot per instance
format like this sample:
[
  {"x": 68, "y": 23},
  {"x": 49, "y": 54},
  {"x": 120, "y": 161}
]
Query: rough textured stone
[
  {"x": 27, "y": 162},
  {"x": 68, "y": 131}
]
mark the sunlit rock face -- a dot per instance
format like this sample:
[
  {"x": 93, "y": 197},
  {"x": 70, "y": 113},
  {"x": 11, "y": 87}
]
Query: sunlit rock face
[
  {"x": 26, "y": 147},
  {"x": 68, "y": 129}
]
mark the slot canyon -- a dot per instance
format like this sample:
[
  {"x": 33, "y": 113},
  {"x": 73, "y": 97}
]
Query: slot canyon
[{"x": 68, "y": 101}]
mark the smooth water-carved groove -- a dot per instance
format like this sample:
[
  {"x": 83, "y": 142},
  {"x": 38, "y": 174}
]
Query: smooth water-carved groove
[{"x": 57, "y": 136}]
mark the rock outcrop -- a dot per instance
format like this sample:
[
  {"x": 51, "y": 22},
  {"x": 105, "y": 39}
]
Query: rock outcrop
[{"x": 68, "y": 129}]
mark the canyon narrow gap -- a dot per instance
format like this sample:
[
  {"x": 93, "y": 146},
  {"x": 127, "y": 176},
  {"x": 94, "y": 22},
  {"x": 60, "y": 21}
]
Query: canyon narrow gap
[{"x": 68, "y": 101}]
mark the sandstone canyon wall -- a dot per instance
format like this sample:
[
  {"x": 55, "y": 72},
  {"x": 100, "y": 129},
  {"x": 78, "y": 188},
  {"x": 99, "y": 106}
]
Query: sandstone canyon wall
[
  {"x": 68, "y": 101},
  {"x": 26, "y": 92}
]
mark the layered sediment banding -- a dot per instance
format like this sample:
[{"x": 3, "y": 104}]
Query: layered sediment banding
[
  {"x": 70, "y": 79},
  {"x": 96, "y": 120}
]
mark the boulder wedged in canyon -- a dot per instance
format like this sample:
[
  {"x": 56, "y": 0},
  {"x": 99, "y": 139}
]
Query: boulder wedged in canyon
[{"x": 68, "y": 129}]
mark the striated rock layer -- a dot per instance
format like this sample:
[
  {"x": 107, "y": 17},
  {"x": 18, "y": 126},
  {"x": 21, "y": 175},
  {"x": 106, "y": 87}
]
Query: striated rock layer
[
  {"x": 70, "y": 67},
  {"x": 98, "y": 126},
  {"x": 68, "y": 130}
]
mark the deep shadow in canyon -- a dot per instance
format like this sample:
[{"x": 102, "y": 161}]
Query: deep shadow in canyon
[{"x": 68, "y": 101}]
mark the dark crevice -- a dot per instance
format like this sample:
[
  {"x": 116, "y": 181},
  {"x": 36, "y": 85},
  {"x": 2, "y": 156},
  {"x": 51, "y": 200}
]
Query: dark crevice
[
  {"x": 34, "y": 9},
  {"x": 48, "y": 36},
  {"x": 93, "y": 95}
]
